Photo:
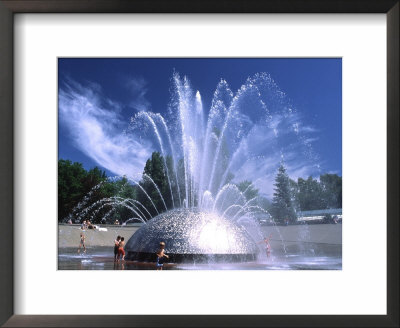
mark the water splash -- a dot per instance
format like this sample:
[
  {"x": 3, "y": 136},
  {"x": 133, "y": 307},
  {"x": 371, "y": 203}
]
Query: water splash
[{"x": 242, "y": 136}]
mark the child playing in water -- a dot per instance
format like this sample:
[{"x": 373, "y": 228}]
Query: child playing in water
[
  {"x": 116, "y": 247},
  {"x": 82, "y": 243},
  {"x": 267, "y": 245},
  {"x": 121, "y": 251},
  {"x": 160, "y": 256}
]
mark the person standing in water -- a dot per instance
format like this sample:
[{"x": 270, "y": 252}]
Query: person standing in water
[
  {"x": 121, "y": 251},
  {"x": 161, "y": 255},
  {"x": 267, "y": 245},
  {"x": 116, "y": 247},
  {"x": 82, "y": 243}
]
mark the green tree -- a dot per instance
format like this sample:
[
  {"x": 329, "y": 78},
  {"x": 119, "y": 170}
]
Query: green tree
[
  {"x": 124, "y": 192},
  {"x": 93, "y": 177},
  {"x": 155, "y": 170},
  {"x": 70, "y": 186},
  {"x": 325, "y": 193},
  {"x": 74, "y": 183},
  {"x": 309, "y": 196},
  {"x": 282, "y": 203},
  {"x": 331, "y": 187}
]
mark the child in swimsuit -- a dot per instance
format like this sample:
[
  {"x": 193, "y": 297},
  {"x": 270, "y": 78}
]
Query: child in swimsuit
[
  {"x": 160, "y": 256},
  {"x": 82, "y": 243},
  {"x": 267, "y": 245},
  {"x": 121, "y": 251},
  {"x": 116, "y": 247}
]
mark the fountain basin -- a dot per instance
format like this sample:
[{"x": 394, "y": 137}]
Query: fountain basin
[{"x": 192, "y": 236}]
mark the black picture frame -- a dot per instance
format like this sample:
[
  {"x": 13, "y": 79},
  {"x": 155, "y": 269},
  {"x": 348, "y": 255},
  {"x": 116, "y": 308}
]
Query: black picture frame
[{"x": 10, "y": 7}]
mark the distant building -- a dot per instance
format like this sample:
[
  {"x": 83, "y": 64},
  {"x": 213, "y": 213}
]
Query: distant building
[{"x": 320, "y": 214}]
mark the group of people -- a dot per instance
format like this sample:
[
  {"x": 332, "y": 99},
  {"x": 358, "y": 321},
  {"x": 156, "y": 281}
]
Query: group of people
[
  {"x": 87, "y": 225},
  {"x": 119, "y": 245},
  {"x": 119, "y": 251}
]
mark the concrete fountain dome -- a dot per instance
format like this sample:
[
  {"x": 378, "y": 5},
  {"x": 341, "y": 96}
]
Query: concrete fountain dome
[{"x": 192, "y": 235}]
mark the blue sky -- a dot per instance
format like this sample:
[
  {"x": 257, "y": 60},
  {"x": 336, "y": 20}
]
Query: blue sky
[{"x": 114, "y": 90}]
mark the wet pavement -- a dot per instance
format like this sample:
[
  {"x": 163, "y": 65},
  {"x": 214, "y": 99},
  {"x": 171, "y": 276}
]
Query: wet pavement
[{"x": 325, "y": 257}]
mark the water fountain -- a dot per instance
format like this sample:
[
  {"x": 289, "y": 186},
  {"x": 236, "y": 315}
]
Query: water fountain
[
  {"x": 210, "y": 218},
  {"x": 192, "y": 236}
]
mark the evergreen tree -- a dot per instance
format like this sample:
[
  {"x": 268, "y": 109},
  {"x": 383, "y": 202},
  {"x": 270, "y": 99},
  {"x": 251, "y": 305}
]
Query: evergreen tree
[{"x": 282, "y": 204}]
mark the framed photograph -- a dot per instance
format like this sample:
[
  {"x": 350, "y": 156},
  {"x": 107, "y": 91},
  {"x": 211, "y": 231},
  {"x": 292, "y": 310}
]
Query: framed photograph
[
  {"x": 206, "y": 141},
  {"x": 219, "y": 181}
]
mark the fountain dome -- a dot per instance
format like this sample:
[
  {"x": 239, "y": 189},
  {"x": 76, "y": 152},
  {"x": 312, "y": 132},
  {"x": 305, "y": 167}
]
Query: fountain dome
[{"x": 192, "y": 236}]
